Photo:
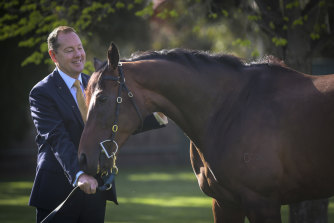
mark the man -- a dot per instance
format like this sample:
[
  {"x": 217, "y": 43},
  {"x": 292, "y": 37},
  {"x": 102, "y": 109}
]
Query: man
[{"x": 59, "y": 119}]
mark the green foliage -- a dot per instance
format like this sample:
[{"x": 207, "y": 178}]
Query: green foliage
[
  {"x": 165, "y": 14},
  {"x": 34, "y": 20},
  {"x": 89, "y": 67},
  {"x": 255, "y": 53},
  {"x": 225, "y": 12},
  {"x": 254, "y": 18},
  {"x": 244, "y": 43},
  {"x": 173, "y": 13},
  {"x": 147, "y": 11},
  {"x": 120, "y": 5},
  {"x": 292, "y": 4},
  {"x": 315, "y": 36},
  {"x": 322, "y": 3},
  {"x": 196, "y": 29},
  {"x": 300, "y": 21},
  {"x": 279, "y": 41},
  {"x": 271, "y": 25},
  {"x": 297, "y": 22},
  {"x": 36, "y": 58},
  {"x": 213, "y": 15},
  {"x": 130, "y": 6},
  {"x": 318, "y": 30}
]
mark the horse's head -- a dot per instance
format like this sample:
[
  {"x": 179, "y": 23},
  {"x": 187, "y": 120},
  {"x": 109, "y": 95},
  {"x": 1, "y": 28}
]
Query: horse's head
[{"x": 112, "y": 115}]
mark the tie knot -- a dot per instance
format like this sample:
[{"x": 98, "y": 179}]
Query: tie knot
[{"x": 77, "y": 84}]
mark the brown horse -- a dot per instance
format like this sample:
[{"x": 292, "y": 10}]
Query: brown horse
[{"x": 262, "y": 133}]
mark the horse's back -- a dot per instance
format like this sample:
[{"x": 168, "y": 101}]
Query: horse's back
[{"x": 283, "y": 124}]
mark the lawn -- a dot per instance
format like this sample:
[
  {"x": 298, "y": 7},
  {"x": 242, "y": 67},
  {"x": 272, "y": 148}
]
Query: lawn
[{"x": 145, "y": 195}]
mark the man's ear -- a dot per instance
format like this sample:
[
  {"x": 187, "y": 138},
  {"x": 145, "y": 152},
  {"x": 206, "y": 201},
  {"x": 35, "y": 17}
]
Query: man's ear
[{"x": 53, "y": 55}]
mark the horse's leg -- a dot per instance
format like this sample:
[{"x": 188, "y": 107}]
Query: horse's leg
[
  {"x": 224, "y": 214},
  {"x": 264, "y": 212}
]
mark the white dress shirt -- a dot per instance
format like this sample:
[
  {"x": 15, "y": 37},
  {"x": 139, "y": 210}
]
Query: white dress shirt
[{"x": 69, "y": 81}]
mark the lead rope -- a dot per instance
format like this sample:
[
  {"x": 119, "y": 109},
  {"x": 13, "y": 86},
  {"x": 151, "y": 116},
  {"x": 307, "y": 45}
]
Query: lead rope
[
  {"x": 54, "y": 212},
  {"x": 107, "y": 179}
]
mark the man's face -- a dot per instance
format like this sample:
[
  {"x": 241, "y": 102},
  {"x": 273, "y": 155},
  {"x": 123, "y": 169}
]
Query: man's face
[{"x": 70, "y": 56}]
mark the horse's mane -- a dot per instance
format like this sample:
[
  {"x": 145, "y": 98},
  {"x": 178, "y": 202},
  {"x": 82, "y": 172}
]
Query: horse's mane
[
  {"x": 188, "y": 56},
  {"x": 269, "y": 60},
  {"x": 184, "y": 56},
  {"x": 194, "y": 56},
  {"x": 93, "y": 81}
]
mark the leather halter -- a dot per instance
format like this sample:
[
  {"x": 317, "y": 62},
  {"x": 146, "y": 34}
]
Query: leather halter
[{"x": 122, "y": 86}]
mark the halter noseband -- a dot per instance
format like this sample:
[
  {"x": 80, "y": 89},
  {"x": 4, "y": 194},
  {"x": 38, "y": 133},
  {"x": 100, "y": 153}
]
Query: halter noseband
[{"x": 121, "y": 81}]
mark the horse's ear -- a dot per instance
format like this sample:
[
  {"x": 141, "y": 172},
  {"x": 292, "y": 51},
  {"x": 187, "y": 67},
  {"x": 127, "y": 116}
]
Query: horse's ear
[
  {"x": 97, "y": 64},
  {"x": 113, "y": 56}
]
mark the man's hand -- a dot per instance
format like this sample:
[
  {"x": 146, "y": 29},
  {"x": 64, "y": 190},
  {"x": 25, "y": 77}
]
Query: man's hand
[{"x": 87, "y": 183}]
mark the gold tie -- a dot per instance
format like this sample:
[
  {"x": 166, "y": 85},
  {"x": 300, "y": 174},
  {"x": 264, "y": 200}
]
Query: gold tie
[{"x": 80, "y": 100}]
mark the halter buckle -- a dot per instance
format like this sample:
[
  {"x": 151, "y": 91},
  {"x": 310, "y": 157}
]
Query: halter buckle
[{"x": 114, "y": 128}]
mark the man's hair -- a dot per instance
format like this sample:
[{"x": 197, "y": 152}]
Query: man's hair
[{"x": 53, "y": 37}]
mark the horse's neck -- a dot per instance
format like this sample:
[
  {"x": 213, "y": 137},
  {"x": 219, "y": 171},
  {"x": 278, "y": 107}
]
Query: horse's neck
[{"x": 188, "y": 97}]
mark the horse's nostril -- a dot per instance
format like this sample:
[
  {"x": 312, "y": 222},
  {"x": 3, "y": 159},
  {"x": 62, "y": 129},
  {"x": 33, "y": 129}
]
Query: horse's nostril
[{"x": 83, "y": 161}]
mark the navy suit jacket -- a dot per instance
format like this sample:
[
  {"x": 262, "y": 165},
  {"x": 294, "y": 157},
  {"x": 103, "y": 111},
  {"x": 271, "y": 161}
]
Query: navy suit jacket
[{"x": 59, "y": 126}]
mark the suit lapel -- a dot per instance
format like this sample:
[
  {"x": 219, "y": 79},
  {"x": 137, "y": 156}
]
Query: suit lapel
[{"x": 66, "y": 95}]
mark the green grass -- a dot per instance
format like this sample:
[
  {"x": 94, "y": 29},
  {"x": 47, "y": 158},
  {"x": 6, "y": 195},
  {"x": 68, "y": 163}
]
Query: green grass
[
  {"x": 159, "y": 195},
  {"x": 144, "y": 194}
]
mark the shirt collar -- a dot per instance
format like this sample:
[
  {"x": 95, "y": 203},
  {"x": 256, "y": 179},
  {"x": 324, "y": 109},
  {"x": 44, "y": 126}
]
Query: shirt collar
[{"x": 69, "y": 81}]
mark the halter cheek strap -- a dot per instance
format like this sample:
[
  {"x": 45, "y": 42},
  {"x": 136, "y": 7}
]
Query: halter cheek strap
[{"x": 122, "y": 86}]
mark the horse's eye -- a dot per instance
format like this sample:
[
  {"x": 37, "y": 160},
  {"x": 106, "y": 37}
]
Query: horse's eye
[{"x": 102, "y": 99}]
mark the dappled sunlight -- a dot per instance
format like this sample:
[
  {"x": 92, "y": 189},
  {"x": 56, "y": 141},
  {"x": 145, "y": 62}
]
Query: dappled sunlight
[
  {"x": 15, "y": 193},
  {"x": 14, "y": 197},
  {"x": 156, "y": 176},
  {"x": 173, "y": 201},
  {"x": 163, "y": 195},
  {"x": 14, "y": 201}
]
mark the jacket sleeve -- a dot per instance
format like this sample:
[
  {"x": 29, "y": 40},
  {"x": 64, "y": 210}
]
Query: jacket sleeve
[{"x": 52, "y": 131}]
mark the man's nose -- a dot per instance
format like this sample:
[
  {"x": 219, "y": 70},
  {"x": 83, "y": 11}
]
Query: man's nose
[{"x": 77, "y": 53}]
